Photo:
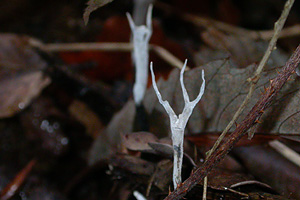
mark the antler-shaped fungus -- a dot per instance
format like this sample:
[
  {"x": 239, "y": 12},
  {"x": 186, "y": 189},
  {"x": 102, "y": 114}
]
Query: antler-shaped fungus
[
  {"x": 178, "y": 123},
  {"x": 141, "y": 37}
]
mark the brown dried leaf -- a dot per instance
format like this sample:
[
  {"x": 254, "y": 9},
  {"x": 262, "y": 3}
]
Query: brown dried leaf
[
  {"x": 241, "y": 49},
  {"x": 138, "y": 141},
  {"x": 92, "y": 6},
  {"x": 163, "y": 174},
  {"x": 167, "y": 150},
  {"x": 16, "y": 56},
  {"x": 16, "y": 93},
  {"x": 87, "y": 117},
  {"x": 20, "y": 77},
  {"x": 220, "y": 179},
  {"x": 226, "y": 88},
  {"x": 271, "y": 168},
  {"x": 44, "y": 124},
  {"x": 132, "y": 164},
  {"x": 110, "y": 141}
]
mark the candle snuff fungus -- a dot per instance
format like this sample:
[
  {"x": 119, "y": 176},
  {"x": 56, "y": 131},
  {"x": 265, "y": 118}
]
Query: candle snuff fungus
[
  {"x": 178, "y": 123},
  {"x": 141, "y": 37}
]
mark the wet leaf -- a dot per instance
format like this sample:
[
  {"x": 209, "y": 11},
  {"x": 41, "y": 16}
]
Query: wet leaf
[{"x": 93, "y": 5}]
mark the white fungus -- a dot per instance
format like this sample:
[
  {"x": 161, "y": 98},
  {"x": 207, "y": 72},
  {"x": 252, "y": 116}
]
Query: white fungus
[
  {"x": 141, "y": 37},
  {"x": 178, "y": 123}
]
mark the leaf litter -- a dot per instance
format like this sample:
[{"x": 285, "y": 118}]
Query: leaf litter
[
  {"x": 227, "y": 86},
  {"x": 21, "y": 74}
]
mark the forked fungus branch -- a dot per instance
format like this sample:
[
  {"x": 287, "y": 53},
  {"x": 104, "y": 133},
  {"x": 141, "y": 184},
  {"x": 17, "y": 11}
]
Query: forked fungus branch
[{"x": 178, "y": 123}]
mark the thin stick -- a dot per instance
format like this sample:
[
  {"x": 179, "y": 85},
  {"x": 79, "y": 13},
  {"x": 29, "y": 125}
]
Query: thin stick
[
  {"x": 287, "y": 152},
  {"x": 250, "y": 120},
  {"x": 234, "y": 30},
  {"x": 285, "y": 33},
  {"x": 204, "y": 188},
  {"x": 106, "y": 46}
]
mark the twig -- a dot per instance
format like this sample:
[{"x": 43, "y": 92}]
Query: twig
[
  {"x": 287, "y": 152},
  {"x": 234, "y": 30},
  {"x": 253, "y": 81},
  {"x": 285, "y": 33},
  {"x": 10, "y": 190},
  {"x": 251, "y": 119},
  {"x": 106, "y": 46},
  {"x": 204, "y": 188}
]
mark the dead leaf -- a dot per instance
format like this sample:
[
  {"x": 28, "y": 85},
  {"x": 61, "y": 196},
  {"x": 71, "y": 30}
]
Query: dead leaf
[
  {"x": 44, "y": 126},
  {"x": 92, "y": 6},
  {"x": 167, "y": 150},
  {"x": 87, "y": 117},
  {"x": 138, "y": 141},
  {"x": 16, "y": 93},
  {"x": 271, "y": 168},
  {"x": 132, "y": 164},
  {"x": 20, "y": 77},
  {"x": 226, "y": 88},
  {"x": 110, "y": 141},
  {"x": 163, "y": 174},
  {"x": 220, "y": 179},
  {"x": 242, "y": 50},
  {"x": 17, "y": 56}
]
